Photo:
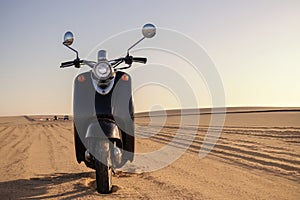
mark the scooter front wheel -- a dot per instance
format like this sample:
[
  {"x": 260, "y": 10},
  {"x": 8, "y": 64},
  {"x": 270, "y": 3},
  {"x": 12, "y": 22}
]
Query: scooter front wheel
[{"x": 103, "y": 166}]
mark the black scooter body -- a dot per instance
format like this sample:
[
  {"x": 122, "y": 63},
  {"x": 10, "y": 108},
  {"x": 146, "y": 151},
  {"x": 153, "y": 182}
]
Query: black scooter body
[{"x": 113, "y": 112}]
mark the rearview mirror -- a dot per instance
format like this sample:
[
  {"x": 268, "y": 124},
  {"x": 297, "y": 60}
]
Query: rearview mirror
[
  {"x": 149, "y": 30},
  {"x": 68, "y": 38}
]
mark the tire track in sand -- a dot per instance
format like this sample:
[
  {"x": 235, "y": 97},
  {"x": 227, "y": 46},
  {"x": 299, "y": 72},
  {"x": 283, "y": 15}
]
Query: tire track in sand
[{"x": 251, "y": 155}]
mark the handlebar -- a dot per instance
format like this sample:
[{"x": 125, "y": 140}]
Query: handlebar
[
  {"x": 139, "y": 59},
  {"x": 75, "y": 62},
  {"x": 128, "y": 60},
  {"x": 67, "y": 64}
]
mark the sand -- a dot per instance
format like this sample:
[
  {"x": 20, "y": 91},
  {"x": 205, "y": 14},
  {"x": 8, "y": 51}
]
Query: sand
[{"x": 256, "y": 157}]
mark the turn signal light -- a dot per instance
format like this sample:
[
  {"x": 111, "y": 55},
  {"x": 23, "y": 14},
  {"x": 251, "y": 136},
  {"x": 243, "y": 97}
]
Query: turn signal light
[
  {"x": 81, "y": 78},
  {"x": 125, "y": 77}
]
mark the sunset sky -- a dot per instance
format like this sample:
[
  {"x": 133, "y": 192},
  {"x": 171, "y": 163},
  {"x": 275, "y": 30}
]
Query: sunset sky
[{"x": 254, "y": 45}]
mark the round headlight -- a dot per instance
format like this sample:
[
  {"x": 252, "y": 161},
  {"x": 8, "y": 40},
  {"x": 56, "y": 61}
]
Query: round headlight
[{"x": 102, "y": 70}]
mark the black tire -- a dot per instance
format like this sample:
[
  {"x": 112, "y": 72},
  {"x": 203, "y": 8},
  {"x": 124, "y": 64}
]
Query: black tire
[{"x": 103, "y": 168}]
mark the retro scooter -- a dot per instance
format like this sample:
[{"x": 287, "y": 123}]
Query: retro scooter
[{"x": 103, "y": 111}]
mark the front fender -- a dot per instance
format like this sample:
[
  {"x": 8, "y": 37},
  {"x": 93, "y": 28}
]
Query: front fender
[{"x": 103, "y": 130}]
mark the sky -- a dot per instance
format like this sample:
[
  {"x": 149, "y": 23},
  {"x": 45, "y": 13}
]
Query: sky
[{"x": 254, "y": 45}]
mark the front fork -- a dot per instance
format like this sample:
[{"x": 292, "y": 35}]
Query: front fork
[{"x": 97, "y": 146}]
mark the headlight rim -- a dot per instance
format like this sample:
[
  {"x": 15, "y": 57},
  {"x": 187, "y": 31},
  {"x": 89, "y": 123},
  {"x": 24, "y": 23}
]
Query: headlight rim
[{"x": 101, "y": 76}]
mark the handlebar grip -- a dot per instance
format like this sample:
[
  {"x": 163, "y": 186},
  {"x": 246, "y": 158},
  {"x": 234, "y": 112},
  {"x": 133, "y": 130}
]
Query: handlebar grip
[
  {"x": 67, "y": 64},
  {"x": 139, "y": 59}
]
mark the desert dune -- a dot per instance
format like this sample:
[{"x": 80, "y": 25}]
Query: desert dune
[{"x": 256, "y": 157}]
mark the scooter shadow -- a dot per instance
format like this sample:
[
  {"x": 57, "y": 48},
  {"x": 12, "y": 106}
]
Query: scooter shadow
[{"x": 53, "y": 186}]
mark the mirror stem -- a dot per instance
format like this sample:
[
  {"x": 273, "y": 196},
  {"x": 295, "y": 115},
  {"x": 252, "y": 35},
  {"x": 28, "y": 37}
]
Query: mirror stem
[
  {"x": 135, "y": 44},
  {"x": 73, "y": 50}
]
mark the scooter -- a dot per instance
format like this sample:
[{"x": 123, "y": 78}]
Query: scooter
[{"x": 103, "y": 111}]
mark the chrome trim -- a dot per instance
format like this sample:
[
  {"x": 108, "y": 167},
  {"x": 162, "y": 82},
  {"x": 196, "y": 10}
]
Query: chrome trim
[
  {"x": 87, "y": 156},
  {"x": 105, "y": 90},
  {"x": 117, "y": 156},
  {"x": 108, "y": 73}
]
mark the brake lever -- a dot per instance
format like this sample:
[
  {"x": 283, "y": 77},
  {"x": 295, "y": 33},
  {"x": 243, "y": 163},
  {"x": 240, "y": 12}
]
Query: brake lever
[
  {"x": 124, "y": 67},
  {"x": 116, "y": 62}
]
